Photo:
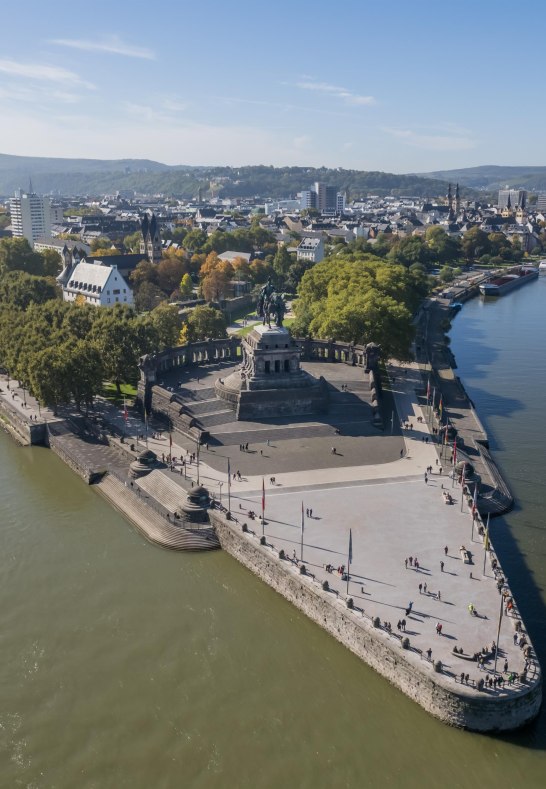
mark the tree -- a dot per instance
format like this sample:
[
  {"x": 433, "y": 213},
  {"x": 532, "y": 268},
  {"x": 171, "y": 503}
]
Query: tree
[
  {"x": 204, "y": 322},
  {"x": 103, "y": 242},
  {"x": 148, "y": 296},
  {"x": 20, "y": 289},
  {"x": 281, "y": 263},
  {"x": 85, "y": 371},
  {"x": 166, "y": 323},
  {"x": 52, "y": 263},
  {"x": 169, "y": 273},
  {"x": 360, "y": 299},
  {"x": 442, "y": 247},
  {"x": 121, "y": 340},
  {"x": 16, "y": 255},
  {"x": 475, "y": 243},
  {"x": 132, "y": 241},
  {"x": 446, "y": 274},
  {"x": 143, "y": 272},
  {"x": 408, "y": 250},
  {"x": 186, "y": 287}
]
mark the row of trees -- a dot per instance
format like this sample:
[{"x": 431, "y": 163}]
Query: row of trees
[{"x": 64, "y": 352}]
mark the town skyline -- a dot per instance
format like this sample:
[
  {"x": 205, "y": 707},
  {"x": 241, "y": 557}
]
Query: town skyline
[{"x": 212, "y": 85}]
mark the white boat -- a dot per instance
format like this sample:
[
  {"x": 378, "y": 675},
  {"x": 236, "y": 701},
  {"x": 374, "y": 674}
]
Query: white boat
[{"x": 542, "y": 265}]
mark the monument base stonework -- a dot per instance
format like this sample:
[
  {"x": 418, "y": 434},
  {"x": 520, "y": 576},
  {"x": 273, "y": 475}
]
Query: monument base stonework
[{"x": 270, "y": 381}]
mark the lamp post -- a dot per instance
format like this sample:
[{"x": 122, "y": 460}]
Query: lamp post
[
  {"x": 198, "y": 441},
  {"x": 220, "y": 486}
]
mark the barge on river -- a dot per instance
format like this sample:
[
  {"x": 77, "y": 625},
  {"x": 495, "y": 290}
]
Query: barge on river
[{"x": 501, "y": 285}]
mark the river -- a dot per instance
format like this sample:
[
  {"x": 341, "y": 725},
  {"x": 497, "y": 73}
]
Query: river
[{"x": 124, "y": 665}]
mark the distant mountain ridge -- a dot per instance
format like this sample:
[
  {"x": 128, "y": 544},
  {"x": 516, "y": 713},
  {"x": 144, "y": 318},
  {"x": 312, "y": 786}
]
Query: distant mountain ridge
[
  {"x": 491, "y": 177},
  {"x": 77, "y": 177}
]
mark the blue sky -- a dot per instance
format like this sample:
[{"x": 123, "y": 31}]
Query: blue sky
[{"x": 400, "y": 86}]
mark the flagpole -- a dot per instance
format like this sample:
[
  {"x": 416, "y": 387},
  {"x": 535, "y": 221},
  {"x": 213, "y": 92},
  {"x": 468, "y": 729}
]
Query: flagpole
[
  {"x": 349, "y": 558},
  {"x": 498, "y": 633},
  {"x": 486, "y": 542},
  {"x": 229, "y": 485},
  {"x": 302, "y": 528},
  {"x": 146, "y": 424},
  {"x": 263, "y": 507}
]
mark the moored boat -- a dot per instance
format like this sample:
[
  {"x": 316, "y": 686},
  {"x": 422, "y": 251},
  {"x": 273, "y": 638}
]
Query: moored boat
[{"x": 501, "y": 285}]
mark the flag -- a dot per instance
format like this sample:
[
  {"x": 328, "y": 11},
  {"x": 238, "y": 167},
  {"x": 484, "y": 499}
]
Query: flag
[
  {"x": 441, "y": 408},
  {"x": 170, "y": 440},
  {"x": 434, "y": 397},
  {"x": 475, "y": 501},
  {"x": 428, "y": 390},
  {"x": 350, "y": 546},
  {"x": 454, "y": 450},
  {"x": 146, "y": 420}
]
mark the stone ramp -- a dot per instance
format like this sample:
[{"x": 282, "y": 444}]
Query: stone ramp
[
  {"x": 162, "y": 488},
  {"x": 153, "y": 526}
]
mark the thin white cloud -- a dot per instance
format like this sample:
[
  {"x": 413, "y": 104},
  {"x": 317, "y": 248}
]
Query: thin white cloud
[
  {"x": 173, "y": 105},
  {"x": 42, "y": 72},
  {"x": 111, "y": 44},
  {"x": 434, "y": 141},
  {"x": 349, "y": 96}
]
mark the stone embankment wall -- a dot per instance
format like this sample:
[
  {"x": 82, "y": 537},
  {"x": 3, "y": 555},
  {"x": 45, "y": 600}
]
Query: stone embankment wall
[
  {"x": 63, "y": 450},
  {"x": 20, "y": 428},
  {"x": 436, "y": 693}
]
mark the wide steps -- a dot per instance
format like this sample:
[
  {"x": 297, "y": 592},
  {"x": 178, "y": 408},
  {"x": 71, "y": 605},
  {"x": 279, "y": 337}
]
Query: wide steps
[
  {"x": 200, "y": 408},
  {"x": 155, "y": 528},
  {"x": 163, "y": 489},
  {"x": 219, "y": 417}
]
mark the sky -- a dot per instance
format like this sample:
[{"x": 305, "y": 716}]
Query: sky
[{"x": 400, "y": 86}]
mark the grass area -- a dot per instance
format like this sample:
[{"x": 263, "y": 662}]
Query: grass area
[{"x": 110, "y": 392}]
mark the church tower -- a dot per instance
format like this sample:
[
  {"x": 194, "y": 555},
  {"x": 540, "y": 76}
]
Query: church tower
[
  {"x": 457, "y": 200},
  {"x": 150, "y": 243}
]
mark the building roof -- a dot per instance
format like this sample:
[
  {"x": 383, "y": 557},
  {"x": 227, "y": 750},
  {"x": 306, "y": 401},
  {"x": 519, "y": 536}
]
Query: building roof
[{"x": 232, "y": 255}]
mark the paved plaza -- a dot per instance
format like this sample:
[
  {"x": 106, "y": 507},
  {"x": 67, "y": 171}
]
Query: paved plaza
[{"x": 380, "y": 493}]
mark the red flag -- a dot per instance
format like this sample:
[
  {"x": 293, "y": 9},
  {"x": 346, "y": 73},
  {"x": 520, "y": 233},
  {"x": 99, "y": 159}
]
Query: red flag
[{"x": 441, "y": 407}]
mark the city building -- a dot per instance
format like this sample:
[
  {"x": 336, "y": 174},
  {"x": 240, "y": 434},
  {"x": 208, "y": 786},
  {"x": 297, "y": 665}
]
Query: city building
[
  {"x": 150, "y": 244},
  {"x": 512, "y": 198},
  {"x": 95, "y": 282},
  {"x": 311, "y": 249},
  {"x": 30, "y": 216},
  {"x": 323, "y": 197}
]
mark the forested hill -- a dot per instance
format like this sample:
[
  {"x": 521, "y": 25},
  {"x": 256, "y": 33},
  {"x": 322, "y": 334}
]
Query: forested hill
[
  {"x": 98, "y": 177},
  {"x": 493, "y": 177}
]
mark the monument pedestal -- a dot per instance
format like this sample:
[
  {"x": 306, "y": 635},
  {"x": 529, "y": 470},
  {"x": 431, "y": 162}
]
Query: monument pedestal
[{"x": 270, "y": 381}]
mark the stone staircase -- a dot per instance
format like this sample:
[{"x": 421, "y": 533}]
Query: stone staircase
[
  {"x": 153, "y": 526},
  {"x": 163, "y": 489}
]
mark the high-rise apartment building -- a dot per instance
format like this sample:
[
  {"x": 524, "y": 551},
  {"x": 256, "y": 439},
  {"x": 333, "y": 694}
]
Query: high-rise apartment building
[
  {"x": 324, "y": 198},
  {"x": 30, "y": 216}
]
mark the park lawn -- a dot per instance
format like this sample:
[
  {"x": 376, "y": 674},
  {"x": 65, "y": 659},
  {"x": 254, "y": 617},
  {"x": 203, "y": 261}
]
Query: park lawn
[{"x": 110, "y": 392}]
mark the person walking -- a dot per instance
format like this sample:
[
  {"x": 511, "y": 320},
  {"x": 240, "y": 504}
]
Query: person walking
[
  {"x": 420, "y": 588},
  {"x": 446, "y": 549},
  {"x": 442, "y": 566},
  {"x": 425, "y": 588},
  {"x": 439, "y": 595},
  {"x": 406, "y": 563},
  {"x": 426, "y": 478}
]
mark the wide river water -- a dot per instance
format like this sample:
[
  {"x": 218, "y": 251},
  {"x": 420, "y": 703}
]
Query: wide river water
[{"x": 124, "y": 665}]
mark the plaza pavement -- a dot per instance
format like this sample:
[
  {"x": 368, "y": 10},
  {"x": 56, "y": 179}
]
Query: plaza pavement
[{"x": 392, "y": 513}]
